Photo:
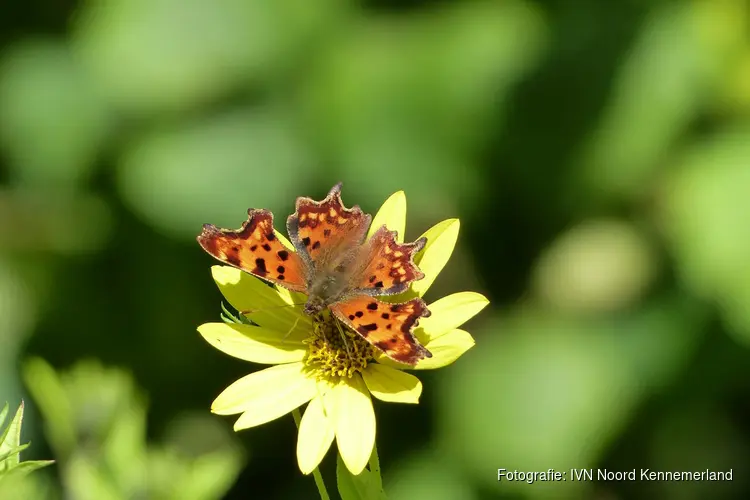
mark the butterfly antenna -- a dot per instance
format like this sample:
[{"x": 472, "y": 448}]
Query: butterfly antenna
[{"x": 343, "y": 337}]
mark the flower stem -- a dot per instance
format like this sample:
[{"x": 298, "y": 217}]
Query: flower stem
[
  {"x": 375, "y": 466},
  {"x": 316, "y": 472}
]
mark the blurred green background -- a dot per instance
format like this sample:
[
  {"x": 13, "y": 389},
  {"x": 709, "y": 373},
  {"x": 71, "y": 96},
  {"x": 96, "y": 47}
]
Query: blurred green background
[{"x": 597, "y": 154}]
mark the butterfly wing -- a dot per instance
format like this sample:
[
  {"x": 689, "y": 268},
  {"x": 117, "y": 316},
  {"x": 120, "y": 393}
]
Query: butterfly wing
[
  {"x": 386, "y": 267},
  {"x": 386, "y": 326},
  {"x": 254, "y": 248},
  {"x": 326, "y": 233}
]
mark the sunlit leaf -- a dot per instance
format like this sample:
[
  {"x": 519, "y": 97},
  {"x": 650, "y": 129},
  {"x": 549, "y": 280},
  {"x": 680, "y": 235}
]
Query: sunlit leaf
[{"x": 213, "y": 170}]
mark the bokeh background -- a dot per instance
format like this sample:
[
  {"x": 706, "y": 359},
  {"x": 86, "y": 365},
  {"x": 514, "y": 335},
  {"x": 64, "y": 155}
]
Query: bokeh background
[{"x": 597, "y": 154}]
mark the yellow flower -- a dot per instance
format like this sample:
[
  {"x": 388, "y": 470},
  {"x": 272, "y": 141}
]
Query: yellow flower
[{"x": 312, "y": 363}]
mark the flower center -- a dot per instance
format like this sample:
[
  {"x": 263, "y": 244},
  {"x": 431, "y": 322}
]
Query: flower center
[{"x": 334, "y": 350}]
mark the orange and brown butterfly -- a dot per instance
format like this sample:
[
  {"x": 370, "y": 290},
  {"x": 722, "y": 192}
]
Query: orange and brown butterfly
[{"x": 335, "y": 266}]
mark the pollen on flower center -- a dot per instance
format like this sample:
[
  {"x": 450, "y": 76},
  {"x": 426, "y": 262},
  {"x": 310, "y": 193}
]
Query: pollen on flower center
[{"x": 333, "y": 350}]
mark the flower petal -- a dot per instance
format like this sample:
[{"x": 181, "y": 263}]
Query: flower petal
[
  {"x": 284, "y": 241},
  {"x": 248, "y": 293},
  {"x": 451, "y": 312},
  {"x": 266, "y": 395},
  {"x": 291, "y": 298},
  {"x": 441, "y": 239},
  {"x": 389, "y": 384},
  {"x": 349, "y": 406},
  {"x": 253, "y": 343},
  {"x": 392, "y": 214},
  {"x": 315, "y": 436},
  {"x": 446, "y": 349}
]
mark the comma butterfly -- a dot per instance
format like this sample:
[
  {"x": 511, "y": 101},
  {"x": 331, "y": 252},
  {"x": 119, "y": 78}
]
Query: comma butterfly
[{"x": 334, "y": 266}]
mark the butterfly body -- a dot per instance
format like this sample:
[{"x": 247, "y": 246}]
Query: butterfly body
[
  {"x": 335, "y": 266},
  {"x": 326, "y": 287},
  {"x": 324, "y": 291}
]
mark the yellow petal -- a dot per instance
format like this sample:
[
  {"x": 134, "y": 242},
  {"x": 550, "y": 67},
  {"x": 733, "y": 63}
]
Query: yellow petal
[
  {"x": 450, "y": 312},
  {"x": 270, "y": 310},
  {"x": 394, "y": 386},
  {"x": 349, "y": 406},
  {"x": 315, "y": 436},
  {"x": 284, "y": 241},
  {"x": 441, "y": 239},
  {"x": 253, "y": 343},
  {"x": 446, "y": 349},
  {"x": 392, "y": 214},
  {"x": 291, "y": 298},
  {"x": 266, "y": 394}
]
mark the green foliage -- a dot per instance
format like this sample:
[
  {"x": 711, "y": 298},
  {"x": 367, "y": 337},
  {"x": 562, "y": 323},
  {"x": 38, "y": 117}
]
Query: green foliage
[
  {"x": 364, "y": 486},
  {"x": 12, "y": 469},
  {"x": 596, "y": 154},
  {"x": 95, "y": 419}
]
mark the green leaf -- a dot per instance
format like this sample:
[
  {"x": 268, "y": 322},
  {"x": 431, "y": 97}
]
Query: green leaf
[
  {"x": 87, "y": 479},
  {"x": 25, "y": 486},
  {"x": 41, "y": 87},
  {"x": 210, "y": 476},
  {"x": 124, "y": 450},
  {"x": 11, "y": 447},
  {"x": 239, "y": 144},
  {"x": 51, "y": 399},
  {"x": 704, "y": 217},
  {"x": 30, "y": 466},
  {"x": 364, "y": 486},
  {"x": 18, "y": 449},
  {"x": 11, "y": 439}
]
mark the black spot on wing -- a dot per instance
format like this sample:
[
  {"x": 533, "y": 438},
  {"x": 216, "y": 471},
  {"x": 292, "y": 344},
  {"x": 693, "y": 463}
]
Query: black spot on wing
[
  {"x": 385, "y": 316},
  {"x": 366, "y": 329},
  {"x": 306, "y": 241},
  {"x": 253, "y": 248},
  {"x": 271, "y": 236},
  {"x": 316, "y": 245},
  {"x": 260, "y": 267},
  {"x": 280, "y": 269},
  {"x": 283, "y": 254},
  {"x": 266, "y": 247},
  {"x": 326, "y": 233},
  {"x": 379, "y": 284},
  {"x": 359, "y": 314},
  {"x": 372, "y": 306},
  {"x": 382, "y": 345},
  {"x": 233, "y": 258}
]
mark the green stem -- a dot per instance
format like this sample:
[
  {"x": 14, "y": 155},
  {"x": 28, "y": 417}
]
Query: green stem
[
  {"x": 316, "y": 472},
  {"x": 375, "y": 466}
]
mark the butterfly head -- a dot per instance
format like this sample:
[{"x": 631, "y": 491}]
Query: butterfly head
[
  {"x": 324, "y": 289},
  {"x": 314, "y": 305}
]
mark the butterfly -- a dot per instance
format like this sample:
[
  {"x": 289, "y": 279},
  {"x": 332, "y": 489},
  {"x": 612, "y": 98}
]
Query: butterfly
[{"x": 335, "y": 266}]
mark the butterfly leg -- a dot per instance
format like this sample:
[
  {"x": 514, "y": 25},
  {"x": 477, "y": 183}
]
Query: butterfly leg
[
  {"x": 343, "y": 337},
  {"x": 291, "y": 329}
]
